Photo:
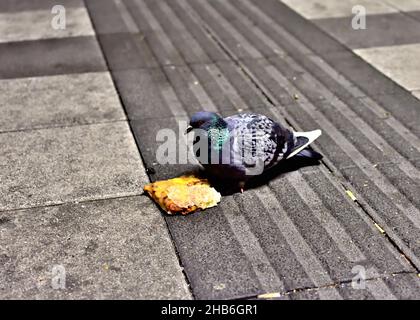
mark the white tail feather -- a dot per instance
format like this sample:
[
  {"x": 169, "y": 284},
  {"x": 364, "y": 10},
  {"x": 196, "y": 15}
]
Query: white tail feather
[{"x": 310, "y": 135}]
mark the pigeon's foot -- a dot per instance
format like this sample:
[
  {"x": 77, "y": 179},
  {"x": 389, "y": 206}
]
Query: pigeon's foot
[{"x": 242, "y": 186}]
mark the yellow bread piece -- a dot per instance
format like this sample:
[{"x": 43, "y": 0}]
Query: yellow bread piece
[{"x": 184, "y": 194}]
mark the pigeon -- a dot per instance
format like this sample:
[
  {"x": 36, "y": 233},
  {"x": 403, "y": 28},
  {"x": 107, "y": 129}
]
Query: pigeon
[{"x": 245, "y": 145}]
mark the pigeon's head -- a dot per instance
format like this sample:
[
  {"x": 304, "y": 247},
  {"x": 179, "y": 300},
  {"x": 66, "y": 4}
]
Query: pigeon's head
[{"x": 205, "y": 120}]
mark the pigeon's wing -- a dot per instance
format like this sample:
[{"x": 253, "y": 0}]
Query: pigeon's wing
[{"x": 256, "y": 140}]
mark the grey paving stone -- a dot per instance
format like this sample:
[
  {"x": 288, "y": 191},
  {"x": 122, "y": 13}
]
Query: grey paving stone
[
  {"x": 12, "y": 28},
  {"x": 182, "y": 90},
  {"x": 146, "y": 131},
  {"x": 226, "y": 29},
  {"x": 367, "y": 78},
  {"x": 141, "y": 92},
  {"x": 301, "y": 28},
  {"x": 313, "y": 9},
  {"x": 124, "y": 51},
  {"x": 214, "y": 261},
  {"x": 299, "y": 79},
  {"x": 50, "y": 57},
  {"x": 218, "y": 240},
  {"x": 28, "y": 5},
  {"x": 404, "y": 5},
  {"x": 49, "y": 101},
  {"x": 400, "y": 226},
  {"x": 392, "y": 61},
  {"x": 414, "y": 14},
  {"x": 219, "y": 237},
  {"x": 326, "y": 89},
  {"x": 400, "y": 286},
  {"x": 224, "y": 84},
  {"x": 142, "y": 15},
  {"x": 272, "y": 34},
  {"x": 280, "y": 90},
  {"x": 355, "y": 135},
  {"x": 399, "y": 102},
  {"x": 166, "y": 51},
  {"x": 408, "y": 186},
  {"x": 403, "y": 106},
  {"x": 196, "y": 30},
  {"x": 174, "y": 39},
  {"x": 107, "y": 16},
  {"x": 227, "y": 251},
  {"x": 110, "y": 249},
  {"x": 323, "y": 90},
  {"x": 381, "y": 30},
  {"x": 52, "y": 166},
  {"x": 363, "y": 107},
  {"x": 378, "y": 252}
]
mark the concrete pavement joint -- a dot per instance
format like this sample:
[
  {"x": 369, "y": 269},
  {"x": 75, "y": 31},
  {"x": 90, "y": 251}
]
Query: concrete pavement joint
[
  {"x": 49, "y": 126},
  {"x": 332, "y": 285},
  {"x": 72, "y": 202}
]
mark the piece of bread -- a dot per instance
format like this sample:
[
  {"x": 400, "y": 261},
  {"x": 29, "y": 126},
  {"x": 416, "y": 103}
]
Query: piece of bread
[{"x": 184, "y": 194}]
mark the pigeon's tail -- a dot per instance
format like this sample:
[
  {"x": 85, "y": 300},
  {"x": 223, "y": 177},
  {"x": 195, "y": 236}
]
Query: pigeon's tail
[
  {"x": 309, "y": 153},
  {"x": 304, "y": 139}
]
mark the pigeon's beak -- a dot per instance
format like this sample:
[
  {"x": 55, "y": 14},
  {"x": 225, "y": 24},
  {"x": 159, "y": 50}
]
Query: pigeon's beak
[{"x": 189, "y": 128}]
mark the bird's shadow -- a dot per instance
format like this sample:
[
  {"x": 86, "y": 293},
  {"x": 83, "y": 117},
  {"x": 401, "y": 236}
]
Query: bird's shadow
[{"x": 229, "y": 187}]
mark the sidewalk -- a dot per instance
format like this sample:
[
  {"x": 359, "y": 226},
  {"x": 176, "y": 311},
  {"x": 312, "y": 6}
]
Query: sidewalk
[
  {"x": 75, "y": 145},
  {"x": 71, "y": 174}
]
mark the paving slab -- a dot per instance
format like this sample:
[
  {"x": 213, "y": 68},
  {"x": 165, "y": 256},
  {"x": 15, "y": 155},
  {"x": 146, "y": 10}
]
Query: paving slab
[
  {"x": 146, "y": 132},
  {"x": 407, "y": 105},
  {"x": 301, "y": 229},
  {"x": 77, "y": 23},
  {"x": 52, "y": 166},
  {"x": 414, "y": 14},
  {"x": 388, "y": 128},
  {"x": 181, "y": 90},
  {"x": 31, "y": 5},
  {"x": 196, "y": 28},
  {"x": 50, "y": 57},
  {"x": 242, "y": 217},
  {"x": 381, "y": 30},
  {"x": 392, "y": 61},
  {"x": 225, "y": 28},
  {"x": 110, "y": 16},
  {"x": 405, "y": 110},
  {"x": 125, "y": 51},
  {"x": 404, "y": 5},
  {"x": 389, "y": 288},
  {"x": 384, "y": 91},
  {"x": 416, "y": 93},
  {"x": 109, "y": 249},
  {"x": 401, "y": 221},
  {"x": 62, "y": 100},
  {"x": 171, "y": 36},
  {"x": 318, "y": 9}
]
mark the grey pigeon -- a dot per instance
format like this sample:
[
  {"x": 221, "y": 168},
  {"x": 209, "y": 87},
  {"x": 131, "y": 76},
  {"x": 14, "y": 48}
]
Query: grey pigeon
[{"x": 245, "y": 145}]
